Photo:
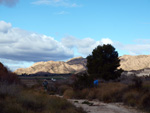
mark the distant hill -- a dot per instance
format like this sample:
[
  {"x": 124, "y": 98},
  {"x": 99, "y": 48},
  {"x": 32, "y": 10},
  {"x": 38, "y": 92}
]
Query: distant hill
[
  {"x": 73, "y": 65},
  {"x": 77, "y": 60},
  {"x": 78, "y": 64},
  {"x": 138, "y": 62}
]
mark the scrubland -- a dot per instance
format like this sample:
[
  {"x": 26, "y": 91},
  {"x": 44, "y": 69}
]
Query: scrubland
[
  {"x": 16, "y": 98},
  {"x": 135, "y": 94}
]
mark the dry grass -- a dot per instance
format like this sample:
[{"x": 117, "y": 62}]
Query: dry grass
[
  {"x": 131, "y": 97},
  {"x": 144, "y": 102},
  {"x": 69, "y": 93},
  {"x": 33, "y": 101},
  {"x": 118, "y": 92}
]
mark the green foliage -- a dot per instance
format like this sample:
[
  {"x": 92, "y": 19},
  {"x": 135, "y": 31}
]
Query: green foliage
[{"x": 103, "y": 63}]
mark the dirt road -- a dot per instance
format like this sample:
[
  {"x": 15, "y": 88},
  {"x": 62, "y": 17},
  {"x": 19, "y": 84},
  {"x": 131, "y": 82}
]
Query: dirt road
[{"x": 100, "y": 107}]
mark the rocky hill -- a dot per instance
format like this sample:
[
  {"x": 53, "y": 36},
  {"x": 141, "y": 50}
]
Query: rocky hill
[
  {"x": 139, "y": 62},
  {"x": 78, "y": 64},
  {"x": 77, "y": 60},
  {"x": 59, "y": 67}
]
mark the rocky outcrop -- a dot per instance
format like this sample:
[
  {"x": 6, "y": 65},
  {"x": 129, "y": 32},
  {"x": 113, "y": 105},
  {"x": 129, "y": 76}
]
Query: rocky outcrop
[
  {"x": 139, "y": 62},
  {"x": 77, "y": 60},
  {"x": 59, "y": 67},
  {"x": 78, "y": 64}
]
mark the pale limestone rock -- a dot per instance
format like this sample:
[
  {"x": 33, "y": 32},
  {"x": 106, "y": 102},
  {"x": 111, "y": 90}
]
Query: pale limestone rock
[{"x": 78, "y": 64}]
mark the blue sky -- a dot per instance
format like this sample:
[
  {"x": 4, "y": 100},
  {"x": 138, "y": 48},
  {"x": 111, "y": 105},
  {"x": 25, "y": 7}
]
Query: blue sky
[{"x": 42, "y": 30}]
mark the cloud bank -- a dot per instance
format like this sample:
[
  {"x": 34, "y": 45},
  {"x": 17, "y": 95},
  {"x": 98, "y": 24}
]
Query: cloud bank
[
  {"x": 9, "y": 3},
  {"x": 18, "y": 44},
  {"x": 19, "y": 47},
  {"x": 84, "y": 46}
]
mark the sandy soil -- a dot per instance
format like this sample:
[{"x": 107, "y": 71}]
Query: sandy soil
[{"x": 100, "y": 107}]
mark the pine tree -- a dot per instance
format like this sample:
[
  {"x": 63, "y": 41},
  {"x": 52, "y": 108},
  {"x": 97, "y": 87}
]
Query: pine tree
[{"x": 104, "y": 63}]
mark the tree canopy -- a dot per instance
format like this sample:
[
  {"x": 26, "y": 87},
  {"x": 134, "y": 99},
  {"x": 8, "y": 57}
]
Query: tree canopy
[{"x": 104, "y": 63}]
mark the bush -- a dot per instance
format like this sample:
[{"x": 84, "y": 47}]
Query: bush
[
  {"x": 69, "y": 93},
  {"x": 9, "y": 90},
  {"x": 59, "y": 105},
  {"x": 131, "y": 98},
  {"x": 32, "y": 101},
  {"x": 111, "y": 92},
  {"x": 137, "y": 82},
  {"x": 14, "y": 108},
  {"x": 7, "y": 76},
  {"x": 83, "y": 81},
  {"x": 82, "y": 94},
  {"x": 92, "y": 94},
  {"x": 63, "y": 88},
  {"x": 144, "y": 102}
]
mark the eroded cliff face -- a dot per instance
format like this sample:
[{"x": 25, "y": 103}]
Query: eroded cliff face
[{"x": 78, "y": 64}]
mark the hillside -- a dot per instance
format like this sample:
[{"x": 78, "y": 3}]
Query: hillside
[
  {"x": 71, "y": 66},
  {"x": 78, "y": 64},
  {"x": 139, "y": 62}
]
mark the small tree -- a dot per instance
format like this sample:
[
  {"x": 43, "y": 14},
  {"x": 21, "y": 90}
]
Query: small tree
[{"x": 103, "y": 63}]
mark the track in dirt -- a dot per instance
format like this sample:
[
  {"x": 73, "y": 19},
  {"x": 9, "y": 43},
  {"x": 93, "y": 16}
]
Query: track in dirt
[{"x": 100, "y": 107}]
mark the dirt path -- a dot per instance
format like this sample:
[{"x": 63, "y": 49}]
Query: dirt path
[{"x": 100, "y": 107}]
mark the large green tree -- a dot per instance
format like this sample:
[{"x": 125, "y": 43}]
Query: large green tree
[{"x": 104, "y": 63}]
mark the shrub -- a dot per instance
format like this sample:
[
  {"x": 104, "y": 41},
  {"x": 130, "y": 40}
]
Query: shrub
[
  {"x": 111, "y": 92},
  {"x": 82, "y": 94},
  {"x": 9, "y": 90},
  {"x": 32, "y": 101},
  {"x": 146, "y": 87},
  {"x": 82, "y": 81},
  {"x": 59, "y": 105},
  {"x": 63, "y": 88},
  {"x": 144, "y": 102},
  {"x": 131, "y": 98},
  {"x": 92, "y": 94},
  {"x": 69, "y": 93},
  {"x": 14, "y": 108},
  {"x": 137, "y": 82},
  {"x": 7, "y": 76}
]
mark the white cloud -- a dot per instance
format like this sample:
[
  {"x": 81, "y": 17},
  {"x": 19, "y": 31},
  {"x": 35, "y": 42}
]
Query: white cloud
[
  {"x": 141, "y": 47},
  {"x": 14, "y": 64},
  {"x": 138, "y": 49},
  {"x": 106, "y": 41},
  {"x": 4, "y": 27},
  {"x": 18, "y": 44},
  {"x": 63, "y": 3},
  {"x": 84, "y": 46}
]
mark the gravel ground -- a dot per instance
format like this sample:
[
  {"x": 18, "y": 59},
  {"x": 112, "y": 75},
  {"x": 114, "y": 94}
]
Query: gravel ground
[{"x": 100, "y": 107}]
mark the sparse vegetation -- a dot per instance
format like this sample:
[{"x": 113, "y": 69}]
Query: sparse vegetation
[
  {"x": 14, "y": 98},
  {"x": 130, "y": 94}
]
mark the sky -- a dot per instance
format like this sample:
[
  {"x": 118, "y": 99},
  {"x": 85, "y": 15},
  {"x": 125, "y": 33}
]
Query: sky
[{"x": 42, "y": 30}]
